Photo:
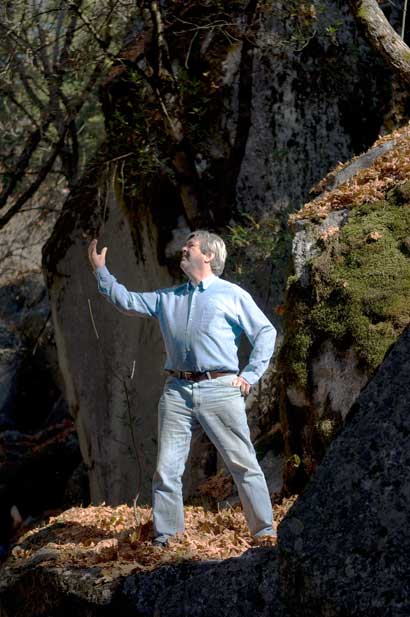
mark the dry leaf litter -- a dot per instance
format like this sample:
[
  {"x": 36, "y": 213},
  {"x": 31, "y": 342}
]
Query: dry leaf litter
[
  {"x": 110, "y": 541},
  {"x": 367, "y": 185}
]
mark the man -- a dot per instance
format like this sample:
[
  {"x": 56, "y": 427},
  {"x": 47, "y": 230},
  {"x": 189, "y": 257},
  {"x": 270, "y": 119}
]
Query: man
[{"x": 201, "y": 323}]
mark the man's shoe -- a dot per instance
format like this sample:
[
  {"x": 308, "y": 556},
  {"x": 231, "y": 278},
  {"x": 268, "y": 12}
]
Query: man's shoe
[
  {"x": 161, "y": 542},
  {"x": 267, "y": 540}
]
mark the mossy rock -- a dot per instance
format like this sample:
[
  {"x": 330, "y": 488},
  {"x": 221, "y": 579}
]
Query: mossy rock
[
  {"x": 360, "y": 289},
  {"x": 400, "y": 194}
]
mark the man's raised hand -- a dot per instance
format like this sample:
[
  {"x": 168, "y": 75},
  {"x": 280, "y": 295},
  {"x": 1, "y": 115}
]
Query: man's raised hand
[{"x": 96, "y": 259}]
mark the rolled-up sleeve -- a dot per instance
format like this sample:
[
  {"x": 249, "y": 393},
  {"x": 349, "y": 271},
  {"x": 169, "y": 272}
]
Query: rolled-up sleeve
[
  {"x": 261, "y": 334},
  {"x": 144, "y": 304}
]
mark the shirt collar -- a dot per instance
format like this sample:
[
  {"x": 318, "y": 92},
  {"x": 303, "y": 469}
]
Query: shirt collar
[{"x": 205, "y": 283}]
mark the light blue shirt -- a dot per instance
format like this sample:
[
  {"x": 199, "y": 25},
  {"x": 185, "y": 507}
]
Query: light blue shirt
[{"x": 201, "y": 325}]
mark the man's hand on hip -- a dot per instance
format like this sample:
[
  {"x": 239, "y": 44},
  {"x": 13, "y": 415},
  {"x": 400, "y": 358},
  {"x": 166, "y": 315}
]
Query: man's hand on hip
[
  {"x": 243, "y": 385},
  {"x": 96, "y": 259}
]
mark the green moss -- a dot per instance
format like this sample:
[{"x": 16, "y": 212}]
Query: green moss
[
  {"x": 360, "y": 293},
  {"x": 301, "y": 345},
  {"x": 362, "y": 13},
  {"x": 327, "y": 429}
]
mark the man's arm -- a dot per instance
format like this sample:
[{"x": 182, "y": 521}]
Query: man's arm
[
  {"x": 261, "y": 335},
  {"x": 129, "y": 302}
]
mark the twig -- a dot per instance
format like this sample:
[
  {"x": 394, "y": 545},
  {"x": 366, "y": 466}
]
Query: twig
[
  {"x": 403, "y": 24},
  {"x": 306, "y": 43},
  {"x": 189, "y": 49},
  {"x": 122, "y": 181},
  {"x": 92, "y": 319},
  {"x": 137, "y": 457},
  {"x": 117, "y": 158},
  {"x": 137, "y": 516},
  {"x": 41, "y": 334},
  {"x": 101, "y": 42}
]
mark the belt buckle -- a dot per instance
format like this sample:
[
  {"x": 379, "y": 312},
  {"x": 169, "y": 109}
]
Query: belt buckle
[{"x": 187, "y": 375}]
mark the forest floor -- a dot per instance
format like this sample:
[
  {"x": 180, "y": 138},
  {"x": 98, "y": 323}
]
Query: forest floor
[{"x": 117, "y": 541}]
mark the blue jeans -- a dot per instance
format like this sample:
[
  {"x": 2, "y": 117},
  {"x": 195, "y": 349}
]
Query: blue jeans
[{"x": 219, "y": 408}]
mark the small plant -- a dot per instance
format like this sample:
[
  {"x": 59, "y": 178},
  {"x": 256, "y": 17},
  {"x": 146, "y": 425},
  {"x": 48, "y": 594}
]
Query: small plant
[{"x": 258, "y": 237}]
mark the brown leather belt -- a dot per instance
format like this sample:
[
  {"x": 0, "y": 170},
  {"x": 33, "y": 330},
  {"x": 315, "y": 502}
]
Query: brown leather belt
[{"x": 190, "y": 376}]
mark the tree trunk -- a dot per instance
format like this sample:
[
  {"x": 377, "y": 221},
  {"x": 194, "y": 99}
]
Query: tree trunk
[{"x": 383, "y": 38}]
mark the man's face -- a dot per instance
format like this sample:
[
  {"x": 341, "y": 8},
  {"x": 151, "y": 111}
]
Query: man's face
[{"x": 192, "y": 259}]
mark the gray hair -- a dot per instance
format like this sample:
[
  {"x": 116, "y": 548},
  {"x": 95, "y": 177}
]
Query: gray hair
[{"x": 211, "y": 243}]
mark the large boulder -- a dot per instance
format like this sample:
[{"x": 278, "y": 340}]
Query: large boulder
[
  {"x": 246, "y": 585},
  {"x": 112, "y": 365},
  {"x": 251, "y": 137},
  {"x": 344, "y": 546}
]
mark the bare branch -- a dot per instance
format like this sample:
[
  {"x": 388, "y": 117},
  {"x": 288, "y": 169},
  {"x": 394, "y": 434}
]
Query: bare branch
[
  {"x": 158, "y": 38},
  {"x": 10, "y": 95},
  {"x": 47, "y": 166},
  {"x": 42, "y": 174},
  {"x": 25, "y": 80},
  {"x": 56, "y": 46},
  {"x": 43, "y": 48},
  {"x": 49, "y": 52},
  {"x": 24, "y": 159},
  {"x": 69, "y": 154},
  {"x": 104, "y": 44}
]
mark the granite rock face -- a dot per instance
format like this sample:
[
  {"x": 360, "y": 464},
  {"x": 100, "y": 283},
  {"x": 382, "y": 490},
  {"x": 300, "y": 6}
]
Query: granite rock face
[
  {"x": 47, "y": 591},
  {"x": 344, "y": 546},
  {"x": 112, "y": 366},
  {"x": 275, "y": 115},
  {"x": 141, "y": 593},
  {"x": 305, "y": 244}
]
